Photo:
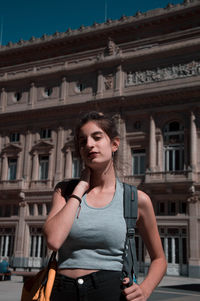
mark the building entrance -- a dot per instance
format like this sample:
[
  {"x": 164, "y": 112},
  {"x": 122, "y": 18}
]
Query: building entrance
[{"x": 174, "y": 241}]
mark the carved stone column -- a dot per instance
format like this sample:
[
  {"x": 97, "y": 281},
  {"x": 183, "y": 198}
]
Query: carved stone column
[
  {"x": 3, "y": 100},
  {"x": 20, "y": 232},
  {"x": 119, "y": 81},
  {"x": 152, "y": 144},
  {"x": 160, "y": 153},
  {"x": 4, "y": 171},
  {"x": 193, "y": 142},
  {"x": 35, "y": 167},
  {"x": 194, "y": 236},
  {"x": 59, "y": 154},
  {"x": 63, "y": 89},
  {"x": 19, "y": 167},
  {"x": 27, "y": 161},
  {"x": 50, "y": 170},
  {"x": 122, "y": 156},
  {"x": 32, "y": 95},
  {"x": 68, "y": 164},
  {"x": 100, "y": 84}
]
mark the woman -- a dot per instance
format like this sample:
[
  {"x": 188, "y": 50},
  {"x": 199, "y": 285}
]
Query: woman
[{"x": 90, "y": 239}]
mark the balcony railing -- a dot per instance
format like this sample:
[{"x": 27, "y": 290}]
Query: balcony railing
[{"x": 162, "y": 177}]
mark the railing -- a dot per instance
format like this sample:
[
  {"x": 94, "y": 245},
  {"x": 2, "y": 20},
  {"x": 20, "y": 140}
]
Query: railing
[
  {"x": 13, "y": 184},
  {"x": 162, "y": 176},
  {"x": 169, "y": 176}
]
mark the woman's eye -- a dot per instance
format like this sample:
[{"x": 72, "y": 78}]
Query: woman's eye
[{"x": 97, "y": 138}]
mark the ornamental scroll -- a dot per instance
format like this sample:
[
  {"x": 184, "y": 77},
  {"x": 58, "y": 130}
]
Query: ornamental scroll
[{"x": 162, "y": 74}]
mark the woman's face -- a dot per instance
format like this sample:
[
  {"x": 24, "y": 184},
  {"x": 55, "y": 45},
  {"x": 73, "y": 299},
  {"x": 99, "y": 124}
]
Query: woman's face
[{"x": 95, "y": 146}]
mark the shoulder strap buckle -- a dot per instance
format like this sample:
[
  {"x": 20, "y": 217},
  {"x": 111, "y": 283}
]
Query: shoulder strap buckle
[{"x": 130, "y": 232}]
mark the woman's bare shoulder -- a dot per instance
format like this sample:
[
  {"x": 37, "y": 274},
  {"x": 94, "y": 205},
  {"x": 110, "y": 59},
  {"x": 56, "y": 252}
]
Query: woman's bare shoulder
[
  {"x": 143, "y": 198},
  {"x": 144, "y": 204}
]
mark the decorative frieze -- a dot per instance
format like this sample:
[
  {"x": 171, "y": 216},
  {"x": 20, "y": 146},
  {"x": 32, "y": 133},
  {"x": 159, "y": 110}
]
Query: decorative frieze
[{"x": 162, "y": 74}]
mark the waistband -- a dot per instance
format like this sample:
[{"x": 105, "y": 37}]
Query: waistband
[{"x": 94, "y": 279}]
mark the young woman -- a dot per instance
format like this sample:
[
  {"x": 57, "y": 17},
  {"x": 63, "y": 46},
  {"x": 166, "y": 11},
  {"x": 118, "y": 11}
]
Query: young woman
[{"x": 90, "y": 239}]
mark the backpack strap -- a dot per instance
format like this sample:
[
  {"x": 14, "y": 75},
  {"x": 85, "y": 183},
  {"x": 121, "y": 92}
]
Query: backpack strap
[{"x": 130, "y": 199}]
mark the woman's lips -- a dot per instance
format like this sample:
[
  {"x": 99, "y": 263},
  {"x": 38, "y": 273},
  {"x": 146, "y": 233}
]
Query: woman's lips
[{"x": 92, "y": 155}]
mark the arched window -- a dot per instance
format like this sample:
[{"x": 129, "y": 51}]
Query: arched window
[{"x": 173, "y": 146}]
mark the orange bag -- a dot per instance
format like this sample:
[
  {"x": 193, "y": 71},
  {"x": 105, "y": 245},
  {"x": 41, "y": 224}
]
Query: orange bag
[{"x": 39, "y": 287}]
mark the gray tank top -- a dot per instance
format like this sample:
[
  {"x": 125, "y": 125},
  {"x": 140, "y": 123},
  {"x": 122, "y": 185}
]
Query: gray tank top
[{"x": 97, "y": 238}]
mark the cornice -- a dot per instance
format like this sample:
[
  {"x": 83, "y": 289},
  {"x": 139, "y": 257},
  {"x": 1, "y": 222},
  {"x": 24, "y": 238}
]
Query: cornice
[
  {"x": 99, "y": 28},
  {"x": 101, "y": 60}
]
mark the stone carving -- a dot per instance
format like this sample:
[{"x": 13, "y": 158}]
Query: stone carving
[
  {"x": 162, "y": 74},
  {"x": 108, "y": 82},
  {"x": 111, "y": 48},
  {"x": 194, "y": 199}
]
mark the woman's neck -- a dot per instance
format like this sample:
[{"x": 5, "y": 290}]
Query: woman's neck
[{"x": 103, "y": 177}]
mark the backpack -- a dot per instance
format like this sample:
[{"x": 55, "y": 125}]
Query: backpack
[
  {"x": 130, "y": 268},
  {"x": 130, "y": 200}
]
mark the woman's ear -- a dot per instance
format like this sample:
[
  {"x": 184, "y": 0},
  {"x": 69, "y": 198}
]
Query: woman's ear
[{"x": 115, "y": 144}]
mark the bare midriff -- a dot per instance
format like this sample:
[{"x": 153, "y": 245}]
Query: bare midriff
[{"x": 75, "y": 273}]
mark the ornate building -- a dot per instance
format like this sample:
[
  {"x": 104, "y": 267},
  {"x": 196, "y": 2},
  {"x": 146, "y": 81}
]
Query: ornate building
[{"x": 145, "y": 70}]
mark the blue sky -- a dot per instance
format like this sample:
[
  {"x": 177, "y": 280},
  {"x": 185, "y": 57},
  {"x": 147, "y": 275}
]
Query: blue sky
[{"x": 22, "y": 19}]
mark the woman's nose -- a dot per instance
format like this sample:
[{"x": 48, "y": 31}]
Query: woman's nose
[{"x": 90, "y": 142}]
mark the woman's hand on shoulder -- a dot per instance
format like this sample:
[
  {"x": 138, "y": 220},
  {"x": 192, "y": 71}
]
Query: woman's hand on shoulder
[{"x": 84, "y": 183}]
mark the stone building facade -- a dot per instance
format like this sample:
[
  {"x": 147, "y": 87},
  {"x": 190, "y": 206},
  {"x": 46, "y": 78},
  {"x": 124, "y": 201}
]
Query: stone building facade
[{"x": 144, "y": 70}]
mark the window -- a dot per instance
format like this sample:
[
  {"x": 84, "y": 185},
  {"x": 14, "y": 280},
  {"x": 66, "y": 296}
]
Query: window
[
  {"x": 161, "y": 208},
  {"x": 172, "y": 208},
  {"x": 7, "y": 211},
  {"x": 14, "y": 137},
  {"x": 45, "y": 134},
  {"x": 48, "y": 206},
  {"x": 12, "y": 169},
  {"x": 139, "y": 162},
  {"x": 174, "y": 146},
  {"x": 80, "y": 87},
  {"x": 15, "y": 210},
  {"x": 37, "y": 243},
  {"x": 39, "y": 209},
  {"x": 7, "y": 241},
  {"x": 182, "y": 207},
  {"x": 17, "y": 96},
  {"x": 76, "y": 166},
  {"x": 48, "y": 92},
  {"x": 43, "y": 167},
  {"x": 31, "y": 209}
]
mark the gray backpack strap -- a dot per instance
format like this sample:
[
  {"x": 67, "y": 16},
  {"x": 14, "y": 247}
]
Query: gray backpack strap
[{"x": 130, "y": 268}]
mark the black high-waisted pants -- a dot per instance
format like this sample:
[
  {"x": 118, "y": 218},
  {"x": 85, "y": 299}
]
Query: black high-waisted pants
[{"x": 97, "y": 286}]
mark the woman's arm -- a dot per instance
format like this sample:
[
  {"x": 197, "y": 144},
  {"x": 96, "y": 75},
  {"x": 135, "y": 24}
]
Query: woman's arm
[
  {"x": 148, "y": 230},
  {"x": 62, "y": 214}
]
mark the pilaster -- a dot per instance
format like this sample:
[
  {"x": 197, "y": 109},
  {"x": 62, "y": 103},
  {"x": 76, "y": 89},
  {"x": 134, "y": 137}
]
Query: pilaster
[
  {"x": 4, "y": 171},
  {"x": 59, "y": 155},
  {"x": 68, "y": 164},
  {"x": 63, "y": 89},
  {"x": 194, "y": 238},
  {"x": 32, "y": 95},
  {"x": 118, "y": 81},
  {"x": 27, "y": 161},
  {"x": 99, "y": 84},
  {"x": 35, "y": 167},
  {"x": 3, "y": 100},
  {"x": 193, "y": 143},
  {"x": 152, "y": 144}
]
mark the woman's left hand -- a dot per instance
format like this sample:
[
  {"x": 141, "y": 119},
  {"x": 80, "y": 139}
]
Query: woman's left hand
[{"x": 134, "y": 292}]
